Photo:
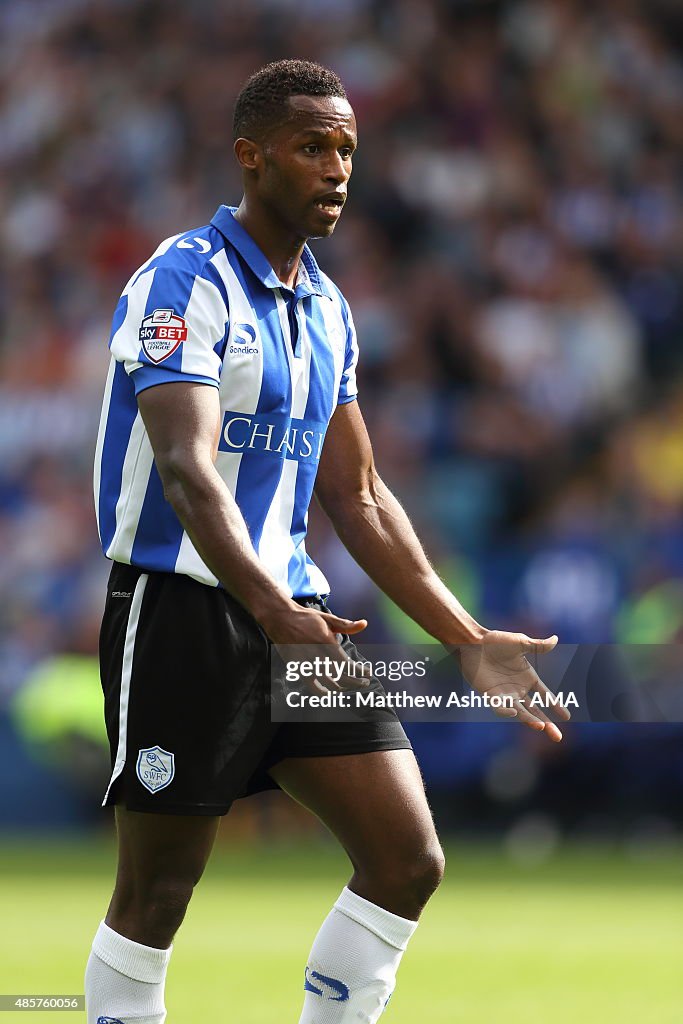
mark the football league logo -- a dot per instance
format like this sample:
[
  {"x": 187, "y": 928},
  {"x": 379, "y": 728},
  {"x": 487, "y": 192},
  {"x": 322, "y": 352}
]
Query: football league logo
[
  {"x": 161, "y": 333},
  {"x": 155, "y": 768}
]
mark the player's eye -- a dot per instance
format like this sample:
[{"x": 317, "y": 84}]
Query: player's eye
[
  {"x": 312, "y": 149},
  {"x": 346, "y": 152}
]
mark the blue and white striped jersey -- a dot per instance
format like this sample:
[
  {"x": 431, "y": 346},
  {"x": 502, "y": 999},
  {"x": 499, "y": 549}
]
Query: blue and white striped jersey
[{"x": 208, "y": 307}]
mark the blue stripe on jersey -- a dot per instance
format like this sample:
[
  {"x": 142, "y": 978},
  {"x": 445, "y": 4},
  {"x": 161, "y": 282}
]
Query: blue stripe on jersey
[
  {"x": 123, "y": 410},
  {"x": 159, "y": 532},
  {"x": 219, "y": 347},
  {"x": 149, "y": 376},
  {"x": 297, "y": 571}
]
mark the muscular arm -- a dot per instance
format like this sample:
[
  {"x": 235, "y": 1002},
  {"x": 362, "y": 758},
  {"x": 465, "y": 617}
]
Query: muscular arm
[
  {"x": 374, "y": 528},
  {"x": 183, "y": 423}
]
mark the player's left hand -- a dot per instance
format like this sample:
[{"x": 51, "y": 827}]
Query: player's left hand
[{"x": 498, "y": 666}]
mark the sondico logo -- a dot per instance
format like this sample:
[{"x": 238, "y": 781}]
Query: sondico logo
[
  {"x": 279, "y": 435},
  {"x": 243, "y": 338}
]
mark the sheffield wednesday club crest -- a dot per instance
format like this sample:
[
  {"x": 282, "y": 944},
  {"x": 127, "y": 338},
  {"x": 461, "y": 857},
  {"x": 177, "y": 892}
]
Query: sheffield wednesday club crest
[{"x": 155, "y": 768}]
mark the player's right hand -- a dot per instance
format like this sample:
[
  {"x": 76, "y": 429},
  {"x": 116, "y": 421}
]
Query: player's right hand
[{"x": 307, "y": 635}]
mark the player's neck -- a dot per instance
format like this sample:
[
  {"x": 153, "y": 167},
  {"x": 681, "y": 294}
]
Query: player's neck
[{"x": 280, "y": 247}]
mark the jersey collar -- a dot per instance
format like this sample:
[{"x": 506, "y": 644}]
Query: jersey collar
[{"x": 312, "y": 283}]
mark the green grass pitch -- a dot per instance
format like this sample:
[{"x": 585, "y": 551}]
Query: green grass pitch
[{"x": 590, "y": 936}]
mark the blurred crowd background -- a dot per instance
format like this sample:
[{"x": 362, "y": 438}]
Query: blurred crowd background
[{"x": 512, "y": 253}]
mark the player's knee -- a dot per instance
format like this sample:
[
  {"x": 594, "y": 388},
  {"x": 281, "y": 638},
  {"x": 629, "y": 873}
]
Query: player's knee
[
  {"x": 167, "y": 902},
  {"x": 404, "y": 882},
  {"x": 423, "y": 874},
  {"x": 151, "y": 912}
]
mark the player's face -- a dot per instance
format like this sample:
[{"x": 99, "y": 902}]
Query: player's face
[{"x": 307, "y": 164}]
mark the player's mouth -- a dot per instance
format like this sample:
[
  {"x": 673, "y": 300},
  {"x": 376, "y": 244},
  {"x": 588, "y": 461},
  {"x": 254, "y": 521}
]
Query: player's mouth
[{"x": 330, "y": 205}]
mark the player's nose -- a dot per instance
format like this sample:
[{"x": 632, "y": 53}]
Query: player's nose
[{"x": 336, "y": 170}]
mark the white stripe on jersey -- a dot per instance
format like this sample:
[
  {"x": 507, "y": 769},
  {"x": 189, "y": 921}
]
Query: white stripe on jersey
[
  {"x": 318, "y": 579},
  {"x": 204, "y": 310},
  {"x": 137, "y": 466},
  {"x": 334, "y": 324},
  {"x": 126, "y": 673},
  {"x": 137, "y": 301}
]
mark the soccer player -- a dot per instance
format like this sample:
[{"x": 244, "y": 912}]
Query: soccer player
[{"x": 230, "y": 399}]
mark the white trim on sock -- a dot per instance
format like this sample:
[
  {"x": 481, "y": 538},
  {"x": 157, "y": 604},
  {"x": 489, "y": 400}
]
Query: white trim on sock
[
  {"x": 391, "y": 928},
  {"x": 142, "y": 963}
]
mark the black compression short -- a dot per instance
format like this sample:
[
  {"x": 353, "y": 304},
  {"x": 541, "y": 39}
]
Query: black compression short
[{"x": 186, "y": 676}]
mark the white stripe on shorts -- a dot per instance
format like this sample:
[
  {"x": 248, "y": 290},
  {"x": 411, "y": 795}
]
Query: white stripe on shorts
[{"x": 126, "y": 672}]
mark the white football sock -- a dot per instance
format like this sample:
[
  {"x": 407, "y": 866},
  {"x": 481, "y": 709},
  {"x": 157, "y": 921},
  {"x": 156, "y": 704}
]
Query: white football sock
[
  {"x": 124, "y": 980},
  {"x": 351, "y": 971}
]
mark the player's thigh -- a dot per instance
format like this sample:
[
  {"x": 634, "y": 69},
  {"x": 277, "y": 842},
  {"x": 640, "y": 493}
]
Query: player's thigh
[{"x": 374, "y": 803}]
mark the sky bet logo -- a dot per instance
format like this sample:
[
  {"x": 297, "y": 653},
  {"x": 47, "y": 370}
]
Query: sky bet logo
[
  {"x": 243, "y": 338},
  {"x": 161, "y": 333},
  {"x": 277, "y": 434}
]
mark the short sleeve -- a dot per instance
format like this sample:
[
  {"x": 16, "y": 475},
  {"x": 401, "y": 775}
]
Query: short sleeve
[
  {"x": 170, "y": 325},
  {"x": 348, "y": 389}
]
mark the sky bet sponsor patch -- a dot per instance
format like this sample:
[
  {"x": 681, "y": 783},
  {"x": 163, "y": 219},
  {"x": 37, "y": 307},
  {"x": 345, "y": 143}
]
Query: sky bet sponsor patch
[{"x": 161, "y": 333}]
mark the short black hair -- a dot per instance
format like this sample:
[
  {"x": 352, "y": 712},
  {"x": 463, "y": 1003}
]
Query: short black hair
[{"x": 262, "y": 100}]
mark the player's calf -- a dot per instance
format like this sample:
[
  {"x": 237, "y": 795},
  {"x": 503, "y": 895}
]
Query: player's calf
[
  {"x": 124, "y": 980},
  {"x": 126, "y": 971},
  {"x": 351, "y": 970}
]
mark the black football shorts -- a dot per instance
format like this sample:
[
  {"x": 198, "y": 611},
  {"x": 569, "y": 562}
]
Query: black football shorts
[{"x": 186, "y": 678}]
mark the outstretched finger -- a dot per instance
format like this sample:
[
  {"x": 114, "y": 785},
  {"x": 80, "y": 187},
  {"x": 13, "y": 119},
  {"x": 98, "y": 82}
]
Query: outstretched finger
[
  {"x": 550, "y": 729},
  {"x": 541, "y": 698},
  {"x": 525, "y": 716},
  {"x": 349, "y": 626},
  {"x": 539, "y": 721},
  {"x": 530, "y": 646}
]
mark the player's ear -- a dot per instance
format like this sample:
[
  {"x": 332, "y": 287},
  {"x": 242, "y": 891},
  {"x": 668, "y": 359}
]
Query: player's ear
[{"x": 248, "y": 153}]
